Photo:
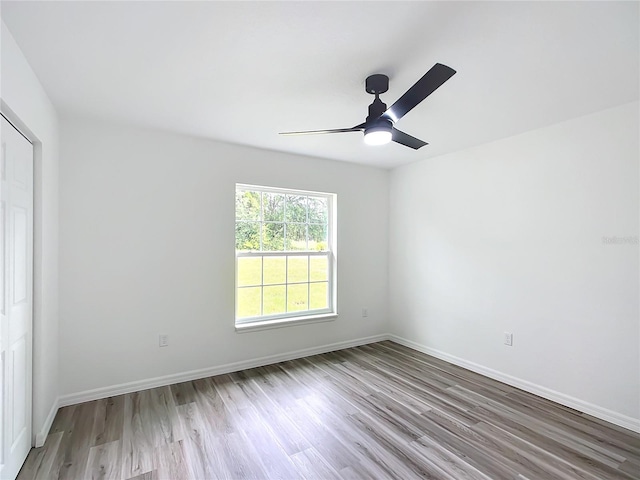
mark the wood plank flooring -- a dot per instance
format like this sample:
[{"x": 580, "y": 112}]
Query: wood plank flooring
[{"x": 374, "y": 412}]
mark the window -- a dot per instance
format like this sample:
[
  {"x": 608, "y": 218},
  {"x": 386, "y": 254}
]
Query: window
[{"x": 285, "y": 254}]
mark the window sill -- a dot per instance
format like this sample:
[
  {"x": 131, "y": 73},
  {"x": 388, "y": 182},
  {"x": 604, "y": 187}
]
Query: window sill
[{"x": 284, "y": 322}]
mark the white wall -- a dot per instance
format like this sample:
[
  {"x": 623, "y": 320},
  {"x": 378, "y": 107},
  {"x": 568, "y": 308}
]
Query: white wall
[
  {"x": 508, "y": 237},
  {"x": 25, "y": 102},
  {"x": 147, "y": 247}
]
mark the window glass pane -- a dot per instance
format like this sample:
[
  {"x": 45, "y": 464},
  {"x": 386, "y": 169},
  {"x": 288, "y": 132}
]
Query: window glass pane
[
  {"x": 319, "y": 269},
  {"x": 297, "y": 269},
  {"x": 273, "y": 207},
  {"x": 247, "y": 205},
  {"x": 296, "y": 209},
  {"x": 296, "y": 236},
  {"x": 318, "y": 295},
  {"x": 318, "y": 237},
  {"x": 247, "y": 236},
  {"x": 273, "y": 237},
  {"x": 318, "y": 210},
  {"x": 297, "y": 297},
  {"x": 249, "y": 271},
  {"x": 249, "y": 302},
  {"x": 274, "y": 300},
  {"x": 274, "y": 271}
]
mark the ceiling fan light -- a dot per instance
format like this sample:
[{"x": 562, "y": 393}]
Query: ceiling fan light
[
  {"x": 378, "y": 134},
  {"x": 377, "y": 137}
]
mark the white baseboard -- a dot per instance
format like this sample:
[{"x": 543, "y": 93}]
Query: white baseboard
[
  {"x": 112, "y": 390},
  {"x": 561, "y": 398},
  {"x": 41, "y": 436}
]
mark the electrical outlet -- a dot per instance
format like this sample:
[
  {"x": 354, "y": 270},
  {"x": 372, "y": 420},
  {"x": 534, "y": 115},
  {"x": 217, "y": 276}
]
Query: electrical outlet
[
  {"x": 508, "y": 338},
  {"x": 365, "y": 312},
  {"x": 163, "y": 340}
]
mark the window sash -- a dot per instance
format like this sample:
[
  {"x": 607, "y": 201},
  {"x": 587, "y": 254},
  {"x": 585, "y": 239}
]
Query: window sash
[
  {"x": 294, "y": 314},
  {"x": 328, "y": 224}
]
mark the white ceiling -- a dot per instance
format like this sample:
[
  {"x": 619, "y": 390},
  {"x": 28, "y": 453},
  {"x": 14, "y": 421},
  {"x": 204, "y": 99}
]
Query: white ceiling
[{"x": 243, "y": 71}]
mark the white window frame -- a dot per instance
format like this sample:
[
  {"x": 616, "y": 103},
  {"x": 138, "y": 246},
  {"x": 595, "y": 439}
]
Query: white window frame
[{"x": 304, "y": 316}]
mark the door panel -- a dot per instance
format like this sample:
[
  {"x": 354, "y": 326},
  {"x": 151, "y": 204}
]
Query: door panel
[
  {"x": 16, "y": 252},
  {"x": 19, "y": 390},
  {"x": 19, "y": 256}
]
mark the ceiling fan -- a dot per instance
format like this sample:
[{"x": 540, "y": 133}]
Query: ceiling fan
[{"x": 379, "y": 126}]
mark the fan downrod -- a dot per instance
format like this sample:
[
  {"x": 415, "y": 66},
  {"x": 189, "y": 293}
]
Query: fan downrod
[{"x": 376, "y": 84}]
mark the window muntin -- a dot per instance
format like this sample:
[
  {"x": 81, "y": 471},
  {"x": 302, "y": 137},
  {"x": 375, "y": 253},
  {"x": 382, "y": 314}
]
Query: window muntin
[{"x": 284, "y": 254}]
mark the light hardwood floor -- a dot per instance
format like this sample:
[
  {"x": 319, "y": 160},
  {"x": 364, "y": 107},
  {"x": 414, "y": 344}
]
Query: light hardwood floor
[{"x": 377, "y": 411}]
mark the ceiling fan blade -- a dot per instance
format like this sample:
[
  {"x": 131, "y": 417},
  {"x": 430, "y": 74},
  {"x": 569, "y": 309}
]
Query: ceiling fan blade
[
  {"x": 424, "y": 87},
  {"x": 406, "y": 140},
  {"x": 357, "y": 128}
]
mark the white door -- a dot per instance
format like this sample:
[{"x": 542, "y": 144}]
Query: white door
[{"x": 16, "y": 276}]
